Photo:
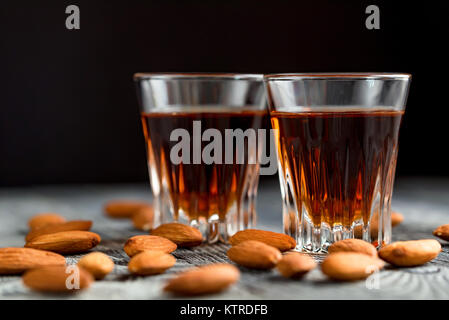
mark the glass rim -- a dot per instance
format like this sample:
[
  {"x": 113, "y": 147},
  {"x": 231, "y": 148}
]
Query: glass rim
[
  {"x": 197, "y": 76},
  {"x": 337, "y": 76}
]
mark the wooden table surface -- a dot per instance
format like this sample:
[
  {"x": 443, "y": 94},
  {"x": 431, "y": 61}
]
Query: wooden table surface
[{"x": 424, "y": 203}]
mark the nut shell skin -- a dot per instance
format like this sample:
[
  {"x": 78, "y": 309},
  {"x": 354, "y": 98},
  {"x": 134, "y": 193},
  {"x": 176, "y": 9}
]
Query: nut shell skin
[
  {"x": 350, "y": 266},
  {"x": 254, "y": 254},
  {"x": 280, "y": 241},
  {"x": 54, "y": 279},
  {"x": 19, "y": 260},
  {"x": 123, "y": 209},
  {"x": 207, "y": 279},
  {"x": 143, "y": 218},
  {"x": 149, "y": 263},
  {"x": 75, "y": 225},
  {"x": 68, "y": 242},
  {"x": 181, "y": 234},
  {"x": 97, "y": 263},
  {"x": 295, "y": 265},
  {"x": 353, "y": 245},
  {"x": 45, "y": 219},
  {"x": 410, "y": 253},
  {"x": 137, "y": 244},
  {"x": 442, "y": 232}
]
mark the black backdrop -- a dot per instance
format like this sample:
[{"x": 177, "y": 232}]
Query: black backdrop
[{"x": 68, "y": 111}]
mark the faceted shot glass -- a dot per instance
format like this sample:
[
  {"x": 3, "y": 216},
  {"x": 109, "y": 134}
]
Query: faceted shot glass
[
  {"x": 211, "y": 188},
  {"x": 337, "y": 143}
]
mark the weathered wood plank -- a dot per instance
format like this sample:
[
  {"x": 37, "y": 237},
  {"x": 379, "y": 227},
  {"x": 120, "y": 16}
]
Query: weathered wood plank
[{"x": 424, "y": 203}]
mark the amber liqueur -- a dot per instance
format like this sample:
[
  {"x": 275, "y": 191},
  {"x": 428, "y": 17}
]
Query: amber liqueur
[
  {"x": 338, "y": 165},
  {"x": 199, "y": 190}
]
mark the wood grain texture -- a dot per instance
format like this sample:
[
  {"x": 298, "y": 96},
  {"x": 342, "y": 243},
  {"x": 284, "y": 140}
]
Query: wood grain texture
[{"x": 424, "y": 204}]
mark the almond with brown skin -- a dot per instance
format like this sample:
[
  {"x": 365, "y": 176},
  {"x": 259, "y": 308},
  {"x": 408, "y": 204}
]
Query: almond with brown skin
[
  {"x": 150, "y": 262},
  {"x": 68, "y": 242},
  {"x": 45, "y": 219},
  {"x": 97, "y": 263},
  {"x": 442, "y": 232},
  {"x": 350, "y": 266},
  {"x": 181, "y": 234},
  {"x": 291, "y": 223},
  {"x": 396, "y": 219},
  {"x": 295, "y": 265},
  {"x": 137, "y": 244},
  {"x": 18, "y": 260},
  {"x": 207, "y": 279},
  {"x": 79, "y": 225},
  {"x": 123, "y": 208},
  {"x": 353, "y": 245},
  {"x": 410, "y": 253},
  {"x": 143, "y": 218},
  {"x": 57, "y": 279},
  {"x": 254, "y": 254},
  {"x": 278, "y": 240}
]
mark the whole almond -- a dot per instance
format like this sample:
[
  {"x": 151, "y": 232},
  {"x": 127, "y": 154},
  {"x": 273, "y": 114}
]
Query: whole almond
[
  {"x": 291, "y": 223},
  {"x": 353, "y": 245},
  {"x": 137, "y": 244},
  {"x": 350, "y": 266},
  {"x": 143, "y": 218},
  {"x": 57, "y": 279},
  {"x": 295, "y": 265},
  {"x": 150, "y": 262},
  {"x": 68, "y": 242},
  {"x": 97, "y": 263},
  {"x": 18, "y": 260},
  {"x": 278, "y": 240},
  {"x": 207, "y": 279},
  {"x": 396, "y": 219},
  {"x": 442, "y": 232},
  {"x": 181, "y": 234},
  {"x": 79, "y": 225},
  {"x": 123, "y": 208},
  {"x": 410, "y": 253},
  {"x": 254, "y": 254},
  {"x": 45, "y": 219}
]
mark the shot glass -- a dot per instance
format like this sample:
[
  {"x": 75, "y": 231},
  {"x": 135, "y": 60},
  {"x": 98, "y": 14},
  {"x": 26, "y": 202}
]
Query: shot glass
[
  {"x": 202, "y": 159},
  {"x": 337, "y": 144}
]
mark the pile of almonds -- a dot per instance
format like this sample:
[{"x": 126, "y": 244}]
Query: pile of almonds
[
  {"x": 41, "y": 261},
  {"x": 348, "y": 260},
  {"x": 51, "y": 236},
  {"x": 141, "y": 213},
  {"x": 43, "y": 266}
]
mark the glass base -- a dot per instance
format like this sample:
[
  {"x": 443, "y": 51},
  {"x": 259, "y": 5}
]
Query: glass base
[
  {"x": 240, "y": 215},
  {"x": 215, "y": 229},
  {"x": 317, "y": 239}
]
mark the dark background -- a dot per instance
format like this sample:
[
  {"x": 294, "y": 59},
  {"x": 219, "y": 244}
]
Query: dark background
[{"x": 68, "y": 111}]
